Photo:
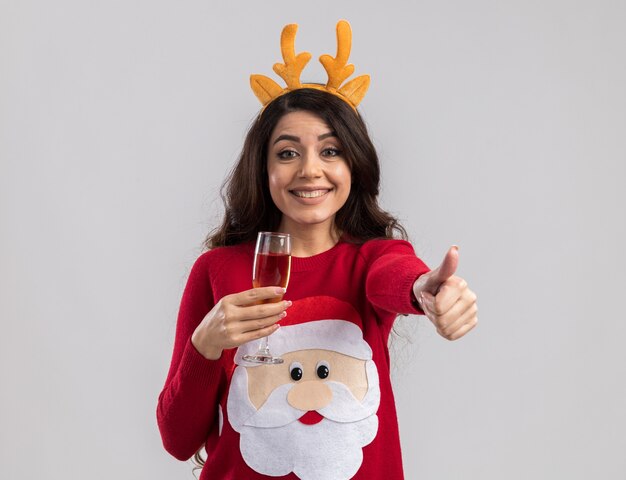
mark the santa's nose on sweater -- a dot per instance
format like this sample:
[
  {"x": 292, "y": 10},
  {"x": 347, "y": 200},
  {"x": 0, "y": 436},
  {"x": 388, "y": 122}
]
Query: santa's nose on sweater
[{"x": 310, "y": 395}]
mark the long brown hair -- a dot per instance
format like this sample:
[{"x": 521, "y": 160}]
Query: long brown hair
[{"x": 248, "y": 205}]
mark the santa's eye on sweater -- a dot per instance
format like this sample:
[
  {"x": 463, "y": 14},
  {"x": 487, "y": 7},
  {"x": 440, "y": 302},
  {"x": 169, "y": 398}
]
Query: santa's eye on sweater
[
  {"x": 323, "y": 370},
  {"x": 295, "y": 370}
]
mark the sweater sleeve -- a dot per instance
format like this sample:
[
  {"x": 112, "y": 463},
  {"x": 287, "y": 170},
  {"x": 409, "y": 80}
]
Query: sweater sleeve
[
  {"x": 393, "y": 268},
  {"x": 193, "y": 382}
]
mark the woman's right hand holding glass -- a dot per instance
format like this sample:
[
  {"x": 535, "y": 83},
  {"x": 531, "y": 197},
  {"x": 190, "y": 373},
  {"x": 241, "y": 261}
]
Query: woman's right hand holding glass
[{"x": 239, "y": 318}]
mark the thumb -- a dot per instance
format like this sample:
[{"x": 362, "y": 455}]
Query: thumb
[{"x": 431, "y": 282}]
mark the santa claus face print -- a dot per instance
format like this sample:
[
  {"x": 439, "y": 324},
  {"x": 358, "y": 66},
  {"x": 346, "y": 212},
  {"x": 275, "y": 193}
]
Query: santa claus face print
[
  {"x": 313, "y": 414},
  {"x": 310, "y": 372},
  {"x": 309, "y": 179}
]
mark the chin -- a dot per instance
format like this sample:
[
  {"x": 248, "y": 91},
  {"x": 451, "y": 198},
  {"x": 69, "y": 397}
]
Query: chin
[{"x": 313, "y": 221}]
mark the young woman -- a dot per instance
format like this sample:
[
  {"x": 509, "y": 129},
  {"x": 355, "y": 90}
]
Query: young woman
[{"x": 308, "y": 168}]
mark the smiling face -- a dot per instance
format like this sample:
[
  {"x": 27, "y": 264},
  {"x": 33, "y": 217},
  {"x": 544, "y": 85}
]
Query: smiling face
[{"x": 309, "y": 179}]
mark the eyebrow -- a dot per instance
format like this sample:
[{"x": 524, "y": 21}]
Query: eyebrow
[{"x": 293, "y": 138}]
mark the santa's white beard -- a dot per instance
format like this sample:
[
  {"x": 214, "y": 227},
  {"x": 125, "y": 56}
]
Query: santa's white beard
[{"x": 273, "y": 442}]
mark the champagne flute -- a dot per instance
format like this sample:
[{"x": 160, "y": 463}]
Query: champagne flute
[{"x": 272, "y": 264}]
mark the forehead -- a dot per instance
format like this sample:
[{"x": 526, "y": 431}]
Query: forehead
[{"x": 300, "y": 123}]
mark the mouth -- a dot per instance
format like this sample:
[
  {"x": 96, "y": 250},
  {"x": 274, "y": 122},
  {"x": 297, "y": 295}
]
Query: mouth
[
  {"x": 310, "y": 193},
  {"x": 311, "y": 418}
]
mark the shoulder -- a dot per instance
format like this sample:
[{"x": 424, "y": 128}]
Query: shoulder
[
  {"x": 373, "y": 249},
  {"x": 218, "y": 253},
  {"x": 214, "y": 260}
]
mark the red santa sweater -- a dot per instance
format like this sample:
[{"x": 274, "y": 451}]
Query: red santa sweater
[{"x": 374, "y": 278}]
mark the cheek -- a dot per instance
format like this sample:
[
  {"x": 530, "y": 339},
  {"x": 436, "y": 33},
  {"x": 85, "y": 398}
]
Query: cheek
[
  {"x": 279, "y": 175},
  {"x": 276, "y": 183},
  {"x": 341, "y": 171},
  {"x": 271, "y": 179},
  {"x": 343, "y": 179}
]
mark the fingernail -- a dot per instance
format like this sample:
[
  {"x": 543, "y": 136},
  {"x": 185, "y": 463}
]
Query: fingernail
[
  {"x": 280, "y": 291},
  {"x": 288, "y": 304},
  {"x": 456, "y": 246},
  {"x": 282, "y": 315}
]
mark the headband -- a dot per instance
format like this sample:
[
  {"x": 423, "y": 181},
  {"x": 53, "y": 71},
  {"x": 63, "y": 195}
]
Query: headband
[{"x": 336, "y": 67}]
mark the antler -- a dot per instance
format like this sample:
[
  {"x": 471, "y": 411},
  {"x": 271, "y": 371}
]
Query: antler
[
  {"x": 337, "y": 67},
  {"x": 338, "y": 70},
  {"x": 294, "y": 64}
]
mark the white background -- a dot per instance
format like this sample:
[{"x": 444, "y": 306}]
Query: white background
[{"x": 501, "y": 127}]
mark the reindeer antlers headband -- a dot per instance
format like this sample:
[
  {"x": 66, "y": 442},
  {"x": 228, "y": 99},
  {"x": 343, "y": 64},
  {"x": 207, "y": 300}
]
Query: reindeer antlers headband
[{"x": 337, "y": 68}]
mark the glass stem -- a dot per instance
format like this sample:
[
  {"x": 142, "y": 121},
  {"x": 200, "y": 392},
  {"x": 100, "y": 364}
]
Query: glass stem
[{"x": 264, "y": 348}]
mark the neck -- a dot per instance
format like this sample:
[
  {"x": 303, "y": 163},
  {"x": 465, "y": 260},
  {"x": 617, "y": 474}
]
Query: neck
[{"x": 311, "y": 240}]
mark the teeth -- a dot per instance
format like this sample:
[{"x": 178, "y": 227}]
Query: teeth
[{"x": 313, "y": 194}]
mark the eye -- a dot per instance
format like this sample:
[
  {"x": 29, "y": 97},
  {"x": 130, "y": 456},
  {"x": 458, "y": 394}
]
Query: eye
[
  {"x": 295, "y": 370},
  {"x": 331, "y": 152},
  {"x": 287, "y": 154},
  {"x": 322, "y": 369}
]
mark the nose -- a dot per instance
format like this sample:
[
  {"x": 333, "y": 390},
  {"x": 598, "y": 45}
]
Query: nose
[
  {"x": 310, "y": 395},
  {"x": 310, "y": 166}
]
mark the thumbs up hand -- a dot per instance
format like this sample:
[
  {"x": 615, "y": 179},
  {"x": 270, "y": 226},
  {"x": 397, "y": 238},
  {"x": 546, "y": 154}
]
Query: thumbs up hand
[{"x": 445, "y": 298}]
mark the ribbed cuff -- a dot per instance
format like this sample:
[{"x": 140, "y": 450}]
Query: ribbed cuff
[
  {"x": 394, "y": 292},
  {"x": 194, "y": 368},
  {"x": 412, "y": 307}
]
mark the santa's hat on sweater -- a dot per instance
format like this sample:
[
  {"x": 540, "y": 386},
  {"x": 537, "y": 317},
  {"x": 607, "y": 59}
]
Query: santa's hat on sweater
[{"x": 321, "y": 322}]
